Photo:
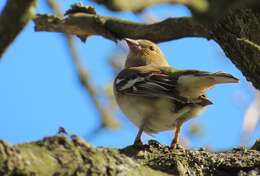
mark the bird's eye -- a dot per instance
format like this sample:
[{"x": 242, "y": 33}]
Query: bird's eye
[{"x": 151, "y": 48}]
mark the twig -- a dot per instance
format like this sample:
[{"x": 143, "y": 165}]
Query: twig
[{"x": 107, "y": 120}]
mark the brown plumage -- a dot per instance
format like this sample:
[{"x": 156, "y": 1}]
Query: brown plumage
[{"x": 156, "y": 97}]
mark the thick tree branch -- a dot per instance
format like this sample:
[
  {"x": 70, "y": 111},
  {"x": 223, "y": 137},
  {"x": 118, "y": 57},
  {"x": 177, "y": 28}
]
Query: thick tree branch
[
  {"x": 14, "y": 17},
  {"x": 114, "y": 28},
  {"x": 62, "y": 155}
]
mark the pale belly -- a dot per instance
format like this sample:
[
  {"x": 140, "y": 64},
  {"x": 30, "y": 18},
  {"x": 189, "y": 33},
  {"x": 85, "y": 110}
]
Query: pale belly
[{"x": 157, "y": 114}]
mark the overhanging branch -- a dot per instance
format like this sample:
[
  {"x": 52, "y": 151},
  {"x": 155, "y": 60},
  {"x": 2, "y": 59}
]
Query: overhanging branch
[{"x": 115, "y": 28}]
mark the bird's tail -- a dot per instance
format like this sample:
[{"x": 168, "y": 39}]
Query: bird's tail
[
  {"x": 197, "y": 84},
  {"x": 220, "y": 77}
]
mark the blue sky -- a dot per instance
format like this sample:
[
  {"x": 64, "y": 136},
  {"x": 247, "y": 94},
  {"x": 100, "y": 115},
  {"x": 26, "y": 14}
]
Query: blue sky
[{"x": 40, "y": 91}]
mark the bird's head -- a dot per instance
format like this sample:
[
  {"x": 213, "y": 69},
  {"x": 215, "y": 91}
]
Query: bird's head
[{"x": 144, "y": 52}]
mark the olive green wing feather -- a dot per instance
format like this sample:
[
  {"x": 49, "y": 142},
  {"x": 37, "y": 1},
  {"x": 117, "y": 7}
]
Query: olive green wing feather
[{"x": 151, "y": 81}]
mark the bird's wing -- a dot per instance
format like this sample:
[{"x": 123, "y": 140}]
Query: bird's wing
[{"x": 151, "y": 81}]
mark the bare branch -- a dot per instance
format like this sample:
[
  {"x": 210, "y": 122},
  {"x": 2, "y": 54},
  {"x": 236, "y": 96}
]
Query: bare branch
[
  {"x": 107, "y": 121},
  {"x": 114, "y": 28},
  {"x": 14, "y": 17}
]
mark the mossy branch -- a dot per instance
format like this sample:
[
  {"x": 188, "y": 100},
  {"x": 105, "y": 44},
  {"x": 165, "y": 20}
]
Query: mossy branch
[{"x": 63, "y": 155}]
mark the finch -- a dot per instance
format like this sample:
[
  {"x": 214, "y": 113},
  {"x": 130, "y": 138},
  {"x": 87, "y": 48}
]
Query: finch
[{"x": 157, "y": 97}]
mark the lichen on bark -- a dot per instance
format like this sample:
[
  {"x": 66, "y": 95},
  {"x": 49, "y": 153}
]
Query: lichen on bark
[{"x": 65, "y": 155}]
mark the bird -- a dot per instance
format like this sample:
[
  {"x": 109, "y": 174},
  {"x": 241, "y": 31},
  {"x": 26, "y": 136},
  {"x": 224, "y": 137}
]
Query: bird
[{"x": 157, "y": 97}]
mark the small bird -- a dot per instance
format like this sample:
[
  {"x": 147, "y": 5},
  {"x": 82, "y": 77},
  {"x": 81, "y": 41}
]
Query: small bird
[{"x": 157, "y": 97}]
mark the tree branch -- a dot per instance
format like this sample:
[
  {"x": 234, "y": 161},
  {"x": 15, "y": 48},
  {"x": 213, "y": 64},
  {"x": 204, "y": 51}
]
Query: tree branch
[
  {"x": 114, "y": 28},
  {"x": 71, "y": 155},
  {"x": 14, "y": 17}
]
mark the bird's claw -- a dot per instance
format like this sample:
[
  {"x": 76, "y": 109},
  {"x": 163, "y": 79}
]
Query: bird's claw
[
  {"x": 176, "y": 146},
  {"x": 138, "y": 143}
]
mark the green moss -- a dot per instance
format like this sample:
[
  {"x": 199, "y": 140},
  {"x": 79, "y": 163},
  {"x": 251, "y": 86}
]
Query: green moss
[
  {"x": 62, "y": 155},
  {"x": 39, "y": 159}
]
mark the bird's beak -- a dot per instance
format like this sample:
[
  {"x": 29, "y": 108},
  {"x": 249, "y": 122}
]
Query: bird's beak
[
  {"x": 131, "y": 41},
  {"x": 133, "y": 44}
]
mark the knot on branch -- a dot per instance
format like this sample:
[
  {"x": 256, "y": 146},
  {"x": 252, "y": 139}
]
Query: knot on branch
[{"x": 42, "y": 19}]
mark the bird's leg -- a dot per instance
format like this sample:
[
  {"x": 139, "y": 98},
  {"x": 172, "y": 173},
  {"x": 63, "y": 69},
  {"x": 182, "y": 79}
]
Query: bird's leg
[
  {"x": 175, "y": 140},
  {"x": 138, "y": 140},
  {"x": 179, "y": 116}
]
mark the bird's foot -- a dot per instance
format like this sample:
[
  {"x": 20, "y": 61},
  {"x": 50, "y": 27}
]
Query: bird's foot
[
  {"x": 138, "y": 143},
  {"x": 176, "y": 146},
  {"x": 154, "y": 143}
]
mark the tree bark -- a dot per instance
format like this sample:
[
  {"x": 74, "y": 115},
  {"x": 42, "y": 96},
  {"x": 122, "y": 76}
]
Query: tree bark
[
  {"x": 238, "y": 33},
  {"x": 63, "y": 155}
]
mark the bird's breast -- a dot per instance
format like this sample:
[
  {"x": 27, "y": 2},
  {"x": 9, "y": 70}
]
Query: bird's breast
[{"x": 158, "y": 114}]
